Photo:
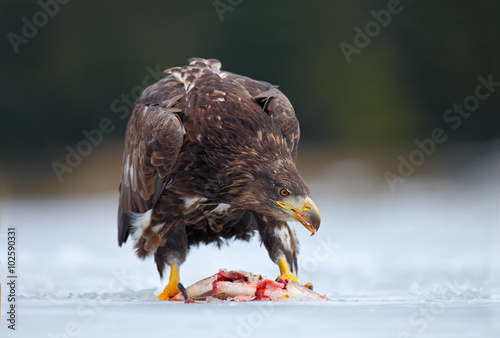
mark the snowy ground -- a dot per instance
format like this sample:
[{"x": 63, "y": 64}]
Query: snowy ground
[{"x": 423, "y": 261}]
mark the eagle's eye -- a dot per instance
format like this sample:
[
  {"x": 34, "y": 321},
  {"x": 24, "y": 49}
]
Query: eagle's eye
[{"x": 284, "y": 192}]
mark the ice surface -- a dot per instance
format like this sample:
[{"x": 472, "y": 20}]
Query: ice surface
[{"x": 423, "y": 261}]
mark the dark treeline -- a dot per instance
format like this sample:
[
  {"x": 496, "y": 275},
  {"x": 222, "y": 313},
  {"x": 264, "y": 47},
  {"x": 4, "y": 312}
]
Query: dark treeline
[{"x": 359, "y": 73}]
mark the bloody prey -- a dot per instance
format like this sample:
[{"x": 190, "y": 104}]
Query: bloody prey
[{"x": 244, "y": 286}]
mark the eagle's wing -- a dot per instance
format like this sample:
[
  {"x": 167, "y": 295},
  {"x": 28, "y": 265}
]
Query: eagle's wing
[
  {"x": 276, "y": 104},
  {"x": 152, "y": 144}
]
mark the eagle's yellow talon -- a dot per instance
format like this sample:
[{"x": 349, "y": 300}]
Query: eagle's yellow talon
[
  {"x": 171, "y": 289},
  {"x": 290, "y": 276},
  {"x": 285, "y": 270}
]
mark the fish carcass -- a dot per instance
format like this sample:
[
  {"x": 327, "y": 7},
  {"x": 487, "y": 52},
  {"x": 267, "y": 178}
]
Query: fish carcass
[{"x": 245, "y": 286}]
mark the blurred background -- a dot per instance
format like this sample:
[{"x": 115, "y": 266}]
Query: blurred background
[
  {"x": 399, "y": 109},
  {"x": 67, "y": 66}
]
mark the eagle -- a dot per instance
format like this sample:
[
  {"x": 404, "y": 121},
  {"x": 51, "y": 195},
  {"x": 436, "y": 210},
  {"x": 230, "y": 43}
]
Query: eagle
[{"x": 210, "y": 156}]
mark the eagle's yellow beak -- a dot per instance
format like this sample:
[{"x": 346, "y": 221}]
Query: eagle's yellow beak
[{"x": 306, "y": 213}]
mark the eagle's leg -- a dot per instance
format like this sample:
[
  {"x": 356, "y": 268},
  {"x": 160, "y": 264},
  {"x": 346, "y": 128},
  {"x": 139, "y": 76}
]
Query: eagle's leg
[
  {"x": 285, "y": 270},
  {"x": 171, "y": 289},
  {"x": 173, "y": 253},
  {"x": 281, "y": 245}
]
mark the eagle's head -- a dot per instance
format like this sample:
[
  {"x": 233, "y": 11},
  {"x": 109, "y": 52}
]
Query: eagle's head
[
  {"x": 271, "y": 185},
  {"x": 286, "y": 195}
]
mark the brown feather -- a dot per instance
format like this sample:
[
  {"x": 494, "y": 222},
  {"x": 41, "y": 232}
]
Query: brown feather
[{"x": 204, "y": 151}]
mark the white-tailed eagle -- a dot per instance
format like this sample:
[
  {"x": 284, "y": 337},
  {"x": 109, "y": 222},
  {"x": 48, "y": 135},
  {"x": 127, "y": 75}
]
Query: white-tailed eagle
[{"x": 209, "y": 156}]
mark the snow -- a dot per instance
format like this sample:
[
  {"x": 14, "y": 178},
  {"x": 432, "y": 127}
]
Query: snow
[{"x": 422, "y": 261}]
